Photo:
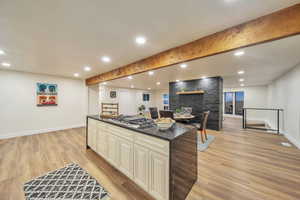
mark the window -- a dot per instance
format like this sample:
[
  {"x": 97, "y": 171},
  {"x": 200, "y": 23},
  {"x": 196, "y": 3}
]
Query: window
[
  {"x": 146, "y": 97},
  {"x": 228, "y": 102},
  {"x": 239, "y": 103},
  {"x": 166, "y": 101},
  {"x": 234, "y": 103}
]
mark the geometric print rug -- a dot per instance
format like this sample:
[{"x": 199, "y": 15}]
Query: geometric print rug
[{"x": 68, "y": 183}]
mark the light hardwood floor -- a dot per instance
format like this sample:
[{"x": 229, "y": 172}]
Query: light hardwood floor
[{"x": 239, "y": 165}]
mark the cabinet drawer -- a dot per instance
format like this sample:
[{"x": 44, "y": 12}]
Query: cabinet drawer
[
  {"x": 152, "y": 143},
  {"x": 121, "y": 132},
  {"x": 102, "y": 127},
  {"x": 102, "y": 124},
  {"x": 92, "y": 122}
]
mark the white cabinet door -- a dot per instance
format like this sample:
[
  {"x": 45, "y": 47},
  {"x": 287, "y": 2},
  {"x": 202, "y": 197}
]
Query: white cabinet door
[
  {"x": 141, "y": 166},
  {"x": 102, "y": 141},
  {"x": 92, "y": 134},
  {"x": 159, "y": 176},
  {"x": 126, "y": 157},
  {"x": 113, "y": 153},
  {"x": 142, "y": 158}
]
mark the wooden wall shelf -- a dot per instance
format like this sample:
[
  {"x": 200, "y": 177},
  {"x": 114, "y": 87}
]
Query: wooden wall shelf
[{"x": 192, "y": 92}]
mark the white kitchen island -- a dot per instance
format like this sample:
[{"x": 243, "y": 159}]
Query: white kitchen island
[{"x": 155, "y": 160}]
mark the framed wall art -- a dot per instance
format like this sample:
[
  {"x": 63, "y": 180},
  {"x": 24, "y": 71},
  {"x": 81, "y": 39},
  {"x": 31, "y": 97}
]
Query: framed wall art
[
  {"x": 113, "y": 94},
  {"x": 46, "y": 94}
]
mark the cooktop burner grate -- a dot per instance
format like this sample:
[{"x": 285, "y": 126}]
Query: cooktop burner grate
[{"x": 135, "y": 121}]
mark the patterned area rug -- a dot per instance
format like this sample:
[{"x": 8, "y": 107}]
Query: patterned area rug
[
  {"x": 205, "y": 145},
  {"x": 70, "y": 182}
]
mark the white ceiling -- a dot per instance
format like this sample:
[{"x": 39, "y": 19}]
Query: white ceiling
[
  {"x": 59, "y": 37},
  {"x": 261, "y": 63}
]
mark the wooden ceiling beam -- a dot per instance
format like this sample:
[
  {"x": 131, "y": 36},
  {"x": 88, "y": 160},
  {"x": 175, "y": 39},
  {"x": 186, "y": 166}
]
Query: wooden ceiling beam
[{"x": 280, "y": 24}]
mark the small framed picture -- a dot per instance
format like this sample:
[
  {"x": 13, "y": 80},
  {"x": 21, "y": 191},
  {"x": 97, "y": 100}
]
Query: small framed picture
[
  {"x": 46, "y": 94},
  {"x": 113, "y": 94},
  {"x": 146, "y": 97}
]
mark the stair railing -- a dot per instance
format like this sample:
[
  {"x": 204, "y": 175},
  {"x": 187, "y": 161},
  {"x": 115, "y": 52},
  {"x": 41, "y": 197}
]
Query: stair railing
[{"x": 276, "y": 112}]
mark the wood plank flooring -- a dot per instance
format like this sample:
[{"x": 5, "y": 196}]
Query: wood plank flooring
[{"x": 239, "y": 165}]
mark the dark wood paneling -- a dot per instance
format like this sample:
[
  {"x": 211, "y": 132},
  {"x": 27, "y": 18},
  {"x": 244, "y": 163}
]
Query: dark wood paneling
[
  {"x": 283, "y": 23},
  {"x": 183, "y": 165}
]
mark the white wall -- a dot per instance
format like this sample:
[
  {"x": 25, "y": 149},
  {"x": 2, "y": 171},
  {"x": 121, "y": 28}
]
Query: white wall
[
  {"x": 284, "y": 93},
  {"x": 19, "y": 114},
  {"x": 255, "y": 97},
  {"x": 158, "y": 96},
  {"x": 93, "y": 100},
  {"x": 129, "y": 99}
]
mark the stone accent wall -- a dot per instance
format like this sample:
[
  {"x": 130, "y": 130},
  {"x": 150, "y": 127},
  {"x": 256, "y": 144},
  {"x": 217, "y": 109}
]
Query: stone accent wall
[{"x": 211, "y": 100}]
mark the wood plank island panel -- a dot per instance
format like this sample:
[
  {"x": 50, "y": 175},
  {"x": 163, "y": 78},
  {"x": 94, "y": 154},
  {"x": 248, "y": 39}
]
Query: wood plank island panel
[
  {"x": 280, "y": 24},
  {"x": 183, "y": 165}
]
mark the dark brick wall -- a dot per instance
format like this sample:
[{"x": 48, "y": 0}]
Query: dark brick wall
[{"x": 211, "y": 100}]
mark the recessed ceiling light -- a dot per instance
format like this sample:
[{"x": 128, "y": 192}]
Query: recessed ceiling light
[
  {"x": 106, "y": 59},
  {"x": 151, "y": 73},
  {"x": 239, "y": 53},
  {"x": 5, "y": 64},
  {"x": 242, "y": 85},
  {"x": 242, "y": 80},
  {"x": 87, "y": 68},
  {"x": 2, "y": 52},
  {"x": 130, "y": 77},
  {"x": 177, "y": 80},
  {"x": 140, "y": 40},
  {"x": 241, "y": 72},
  {"x": 183, "y": 65},
  {"x": 132, "y": 86},
  {"x": 149, "y": 88},
  {"x": 76, "y": 74},
  {"x": 157, "y": 83},
  {"x": 104, "y": 83}
]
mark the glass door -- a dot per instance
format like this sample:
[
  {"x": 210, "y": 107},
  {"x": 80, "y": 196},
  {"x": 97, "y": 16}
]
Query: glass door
[
  {"x": 239, "y": 103},
  {"x": 234, "y": 103},
  {"x": 228, "y": 96}
]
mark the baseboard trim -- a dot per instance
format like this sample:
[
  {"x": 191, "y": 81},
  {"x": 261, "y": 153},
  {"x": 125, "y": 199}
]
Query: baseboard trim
[
  {"x": 34, "y": 132},
  {"x": 293, "y": 140}
]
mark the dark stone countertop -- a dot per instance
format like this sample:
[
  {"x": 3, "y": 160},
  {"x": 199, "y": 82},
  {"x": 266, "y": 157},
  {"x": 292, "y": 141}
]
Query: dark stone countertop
[{"x": 174, "y": 132}]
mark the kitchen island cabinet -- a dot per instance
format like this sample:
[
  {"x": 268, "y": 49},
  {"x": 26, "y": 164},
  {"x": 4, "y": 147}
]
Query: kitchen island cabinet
[{"x": 163, "y": 163}]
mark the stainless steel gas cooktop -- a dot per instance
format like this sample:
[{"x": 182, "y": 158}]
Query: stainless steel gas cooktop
[{"x": 134, "y": 121}]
